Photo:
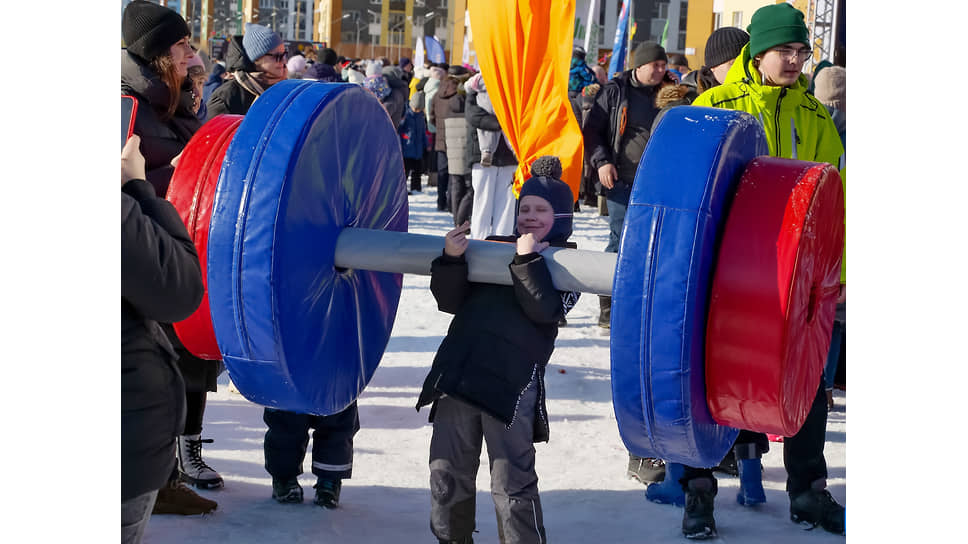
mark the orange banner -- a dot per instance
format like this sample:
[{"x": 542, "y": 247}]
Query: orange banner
[{"x": 526, "y": 75}]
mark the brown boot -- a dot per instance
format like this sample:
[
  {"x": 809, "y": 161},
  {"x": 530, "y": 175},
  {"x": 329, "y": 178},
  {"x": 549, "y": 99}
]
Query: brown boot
[{"x": 177, "y": 498}]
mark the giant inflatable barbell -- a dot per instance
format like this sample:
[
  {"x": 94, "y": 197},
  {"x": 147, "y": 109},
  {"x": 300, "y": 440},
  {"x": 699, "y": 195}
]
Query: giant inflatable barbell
[{"x": 311, "y": 206}]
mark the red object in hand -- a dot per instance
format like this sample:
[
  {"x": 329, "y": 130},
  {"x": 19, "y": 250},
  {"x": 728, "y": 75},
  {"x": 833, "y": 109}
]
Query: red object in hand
[
  {"x": 774, "y": 294},
  {"x": 192, "y": 192}
]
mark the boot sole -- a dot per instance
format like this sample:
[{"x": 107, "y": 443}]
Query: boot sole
[
  {"x": 706, "y": 534},
  {"x": 201, "y": 484}
]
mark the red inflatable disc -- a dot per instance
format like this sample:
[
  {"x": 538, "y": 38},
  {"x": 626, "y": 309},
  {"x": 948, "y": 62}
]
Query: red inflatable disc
[
  {"x": 192, "y": 192},
  {"x": 774, "y": 293}
]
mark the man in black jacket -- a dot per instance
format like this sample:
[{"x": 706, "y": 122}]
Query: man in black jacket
[{"x": 161, "y": 280}]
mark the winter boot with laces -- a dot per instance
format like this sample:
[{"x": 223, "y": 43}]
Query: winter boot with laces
[
  {"x": 816, "y": 507},
  {"x": 646, "y": 469},
  {"x": 669, "y": 491},
  {"x": 327, "y": 493},
  {"x": 697, "y": 521},
  {"x": 176, "y": 498},
  {"x": 287, "y": 491},
  {"x": 191, "y": 468}
]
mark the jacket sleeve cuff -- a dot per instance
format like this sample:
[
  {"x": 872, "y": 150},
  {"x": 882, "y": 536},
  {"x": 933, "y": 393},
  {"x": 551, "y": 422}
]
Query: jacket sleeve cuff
[
  {"x": 140, "y": 189},
  {"x": 524, "y": 259},
  {"x": 445, "y": 258}
]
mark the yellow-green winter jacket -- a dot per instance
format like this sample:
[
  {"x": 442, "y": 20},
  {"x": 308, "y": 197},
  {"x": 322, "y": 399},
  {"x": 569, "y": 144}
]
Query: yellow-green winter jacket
[
  {"x": 744, "y": 90},
  {"x": 780, "y": 109}
]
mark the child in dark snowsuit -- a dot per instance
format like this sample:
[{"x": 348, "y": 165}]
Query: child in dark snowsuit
[
  {"x": 487, "y": 379},
  {"x": 413, "y": 140}
]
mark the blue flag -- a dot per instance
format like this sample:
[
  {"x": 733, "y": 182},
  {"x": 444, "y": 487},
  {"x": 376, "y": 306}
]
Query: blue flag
[
  {"x": 435, "y": 51},
  {"x": 617, "y": 64}
]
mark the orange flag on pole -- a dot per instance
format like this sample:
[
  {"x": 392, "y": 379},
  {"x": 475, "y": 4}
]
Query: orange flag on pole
[{"x": 524, "y": 52}]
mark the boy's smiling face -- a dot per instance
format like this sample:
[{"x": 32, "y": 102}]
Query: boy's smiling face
[{"x": 535, "y": 216}]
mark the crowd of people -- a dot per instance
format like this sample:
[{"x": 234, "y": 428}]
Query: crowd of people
[{"x": 449, "y": 134}]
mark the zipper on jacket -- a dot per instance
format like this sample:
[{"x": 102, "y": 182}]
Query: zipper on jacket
[{"x": 776, "y": 123}]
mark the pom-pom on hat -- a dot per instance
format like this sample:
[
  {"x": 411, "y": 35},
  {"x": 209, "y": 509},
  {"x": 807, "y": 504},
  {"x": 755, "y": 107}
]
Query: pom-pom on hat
[
  {"x": 150, "y": 29},
  {"x": 259, "y": 40},
  {"x": 545, "y": 182},
  {"x": 724, "y": 45},
  {"x": 776, "y": 24}
]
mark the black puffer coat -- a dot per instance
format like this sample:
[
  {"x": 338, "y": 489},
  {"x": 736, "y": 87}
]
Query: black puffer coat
[
  {"x": 230, "y": 97},
  {"x": 500, "y": 339},
  {"x": 160, "y": 281},
  {"x": 161, "y": 140}
]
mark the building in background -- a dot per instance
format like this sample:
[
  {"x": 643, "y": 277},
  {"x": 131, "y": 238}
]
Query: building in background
[{"x": 391, "y": 28}]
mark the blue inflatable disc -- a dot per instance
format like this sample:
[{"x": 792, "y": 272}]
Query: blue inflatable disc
[
  {"x": 308, "y": 160},
  {"x": 685, "y": 181}
]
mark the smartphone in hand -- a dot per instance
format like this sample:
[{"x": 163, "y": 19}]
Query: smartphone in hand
[{"x": 129, "y": 108}]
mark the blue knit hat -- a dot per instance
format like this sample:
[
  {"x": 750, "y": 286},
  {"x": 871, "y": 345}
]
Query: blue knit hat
[
  {"x": 546, "y": 183},
  {"x": 259, "y": 40},
  {"x": 377, "y": 84}
]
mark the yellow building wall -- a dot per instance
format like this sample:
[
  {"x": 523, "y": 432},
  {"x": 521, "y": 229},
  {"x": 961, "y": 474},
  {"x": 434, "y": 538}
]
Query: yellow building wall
[
  {"x": 699, "y": 25},
  {"x": 701, "y": 20}
]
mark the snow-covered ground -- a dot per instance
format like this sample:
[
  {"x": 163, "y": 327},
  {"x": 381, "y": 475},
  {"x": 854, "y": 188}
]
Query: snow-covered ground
[{"x": 584, "y": 491}]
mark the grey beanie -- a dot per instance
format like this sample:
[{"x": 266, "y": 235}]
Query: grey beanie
[
  {"x": 647, "y": 52},
  {"x": 830, "y": 88},
  {"x": 259, "y": 40}
]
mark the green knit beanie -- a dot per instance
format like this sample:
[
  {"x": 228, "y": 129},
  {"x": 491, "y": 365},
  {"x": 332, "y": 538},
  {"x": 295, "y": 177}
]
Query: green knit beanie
[{"x": 774, "y": 25}]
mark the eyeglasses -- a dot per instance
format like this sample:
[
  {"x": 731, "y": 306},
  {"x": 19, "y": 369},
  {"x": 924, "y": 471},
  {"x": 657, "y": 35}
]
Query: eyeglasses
[
  {"x": 278, "y": 57},
  {"x": 800, "y": 55}
]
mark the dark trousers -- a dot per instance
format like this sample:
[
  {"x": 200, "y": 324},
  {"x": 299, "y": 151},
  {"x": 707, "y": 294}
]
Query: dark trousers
[
  {"x": 461, "y": 194},
  {"x": 413, "y": 169},
  {"x": 287, "y": 438},
  {"x": 618, "y": 201},
  {"x": 455, "y": 454},
  {"x": 802, "y": 453},
  {"x": 442, "y": 182}
]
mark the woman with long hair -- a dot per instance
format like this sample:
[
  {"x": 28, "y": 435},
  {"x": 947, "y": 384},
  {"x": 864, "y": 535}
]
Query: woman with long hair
[{"x": 154, "y": 69}]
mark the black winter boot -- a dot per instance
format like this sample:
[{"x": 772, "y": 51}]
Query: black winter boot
[
  {"x": 605, "y": 317},
  {"x": 697, "y": 521},
  {"x": 816, "y": 507},
  {"x": 327, "y": 493},
  {"x": 287, "y": 491}
]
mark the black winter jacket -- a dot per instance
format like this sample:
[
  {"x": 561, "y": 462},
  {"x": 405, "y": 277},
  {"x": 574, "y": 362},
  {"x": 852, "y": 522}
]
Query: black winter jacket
[
  {"x": 160, "y": 140},
  {"x": 230, "y": 97},
  {"x": 160, "y": 281},
  {"x": 396, "y": 103},
  {"x": 478, "y": 118},
  {"x": 500, "y": 339},
  {"x": 605, "y": 124}
]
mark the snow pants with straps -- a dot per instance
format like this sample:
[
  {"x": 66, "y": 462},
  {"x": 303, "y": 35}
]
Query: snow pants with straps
[
  {"x": 287, "y": 438},
  {"x": 455, "y": 451}
]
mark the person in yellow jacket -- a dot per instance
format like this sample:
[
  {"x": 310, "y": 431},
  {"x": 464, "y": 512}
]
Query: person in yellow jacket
[{"x": 766, "y": 81}]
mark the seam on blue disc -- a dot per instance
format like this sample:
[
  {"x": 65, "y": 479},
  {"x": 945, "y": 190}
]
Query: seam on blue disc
[
  {"x": 648, "y": 292},
  {"x": 250, "y": 172}
]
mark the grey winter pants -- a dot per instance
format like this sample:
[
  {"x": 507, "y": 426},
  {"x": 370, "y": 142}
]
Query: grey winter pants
[
  {"x": 134, "y": 516},
  {"x": 455, "y": 452}
]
